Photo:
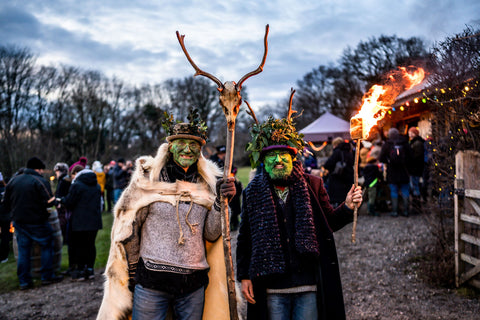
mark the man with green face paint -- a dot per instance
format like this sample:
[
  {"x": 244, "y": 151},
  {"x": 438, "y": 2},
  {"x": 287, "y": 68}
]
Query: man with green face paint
[
  {"x": 286, "y": 256},
  {"x": 158, "y": 258}
]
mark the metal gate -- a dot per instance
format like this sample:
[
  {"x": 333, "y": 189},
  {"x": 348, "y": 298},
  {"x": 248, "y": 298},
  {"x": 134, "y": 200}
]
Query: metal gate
[{"x": 467, "y": 218}]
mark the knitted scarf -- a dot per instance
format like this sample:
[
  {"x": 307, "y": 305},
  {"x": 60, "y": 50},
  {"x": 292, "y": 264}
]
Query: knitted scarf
[{"x": 267, "y": 252}]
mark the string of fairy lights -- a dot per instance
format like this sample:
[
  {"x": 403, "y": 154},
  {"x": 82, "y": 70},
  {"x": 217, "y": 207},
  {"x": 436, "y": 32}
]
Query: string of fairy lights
[{"x": 443, "y": 97}]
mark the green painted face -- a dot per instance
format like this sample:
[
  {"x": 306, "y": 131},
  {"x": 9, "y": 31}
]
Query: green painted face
[
  {"x": 185, "y": 152},
  {"x": 278, "y": 164}
]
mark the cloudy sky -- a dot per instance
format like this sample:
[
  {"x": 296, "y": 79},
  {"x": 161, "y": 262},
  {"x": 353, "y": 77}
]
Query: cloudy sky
[{"x": 136, "y": 41}]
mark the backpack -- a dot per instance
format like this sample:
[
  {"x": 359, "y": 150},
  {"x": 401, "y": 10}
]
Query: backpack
[
  {"x": 397, "y": 154},
  {"x": 340, "y": 166}
]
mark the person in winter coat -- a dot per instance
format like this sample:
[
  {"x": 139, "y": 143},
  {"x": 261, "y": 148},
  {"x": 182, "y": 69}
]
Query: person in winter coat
[
  {"x": 108, "y": 169},
  {"x": 286, "y": 256},
  {"x": 167, "y": 223},
  {"x": 83, "y": 200},
  {"x": 339, "y": 181},
  {"x": 417, "y": 163},
  {"x": 27, "y": 197},
  {"x": 396, "y": 154},
  {"x": 372, "y": 175},
  {"x": 63, "y": 185},
  {"x": 97, "y": 167},
  {"x": 5, "y": 219},
  {"x": 121, "y": 177}
]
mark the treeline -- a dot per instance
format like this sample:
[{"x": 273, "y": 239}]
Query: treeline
[
  {"x": 339, "y": 86},
  {"x": 62, "y": 112}
]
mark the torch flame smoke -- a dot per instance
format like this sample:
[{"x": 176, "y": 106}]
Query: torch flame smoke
[{"x": 379, "y": 99}]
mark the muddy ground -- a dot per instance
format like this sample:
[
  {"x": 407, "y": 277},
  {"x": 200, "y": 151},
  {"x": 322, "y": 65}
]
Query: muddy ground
[{"x": 379, "y": 281}]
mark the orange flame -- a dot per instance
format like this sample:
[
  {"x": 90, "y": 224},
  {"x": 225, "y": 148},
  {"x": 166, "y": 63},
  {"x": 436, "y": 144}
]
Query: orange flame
[
  {"x": 12, "y": 229},
  {"x": 379, "y": 99}
]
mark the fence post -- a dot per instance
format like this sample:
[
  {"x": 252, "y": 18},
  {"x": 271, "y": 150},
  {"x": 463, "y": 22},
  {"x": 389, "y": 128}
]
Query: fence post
[{"x": 467, "y": 217}]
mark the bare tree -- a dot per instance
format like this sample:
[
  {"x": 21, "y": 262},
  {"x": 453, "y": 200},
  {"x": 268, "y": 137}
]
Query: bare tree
[
  {"x": 16, "y": 80},
  {"x": 339, "y": 88}
]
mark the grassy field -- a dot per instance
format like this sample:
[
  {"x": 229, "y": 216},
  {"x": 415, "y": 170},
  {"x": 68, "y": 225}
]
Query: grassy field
[
  {"x": 8, "y": 270},
  {"x": 243, "y": 175}
]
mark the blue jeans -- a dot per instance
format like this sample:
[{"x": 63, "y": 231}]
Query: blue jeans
[
  {"x": 292, "y": 306},
  {"x": 415, "y": 185},
  {"x": 149, "y": 304},
  {"x": 116, "y": 195},
  {"x": 26, "y": 234},
  {"x": 403, "y": 188}
]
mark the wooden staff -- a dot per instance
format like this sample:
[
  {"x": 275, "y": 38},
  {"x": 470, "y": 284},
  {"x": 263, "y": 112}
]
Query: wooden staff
[
  {"x": 356, "y": 132},
  {"x": 230, "y": 100}
]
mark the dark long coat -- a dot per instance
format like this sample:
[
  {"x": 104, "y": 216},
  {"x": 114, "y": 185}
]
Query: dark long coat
[
  {"x": 83, "y": 200},
  {"x": 339, "y": 185}
]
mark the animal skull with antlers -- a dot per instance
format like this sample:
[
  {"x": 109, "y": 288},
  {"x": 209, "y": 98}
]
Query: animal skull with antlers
[{"x": 230, "y": 91}]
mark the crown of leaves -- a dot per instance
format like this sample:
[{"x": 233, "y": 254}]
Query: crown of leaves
[
  {"x": 195, "y": 125},
  {"x": 273, "y": 132}
]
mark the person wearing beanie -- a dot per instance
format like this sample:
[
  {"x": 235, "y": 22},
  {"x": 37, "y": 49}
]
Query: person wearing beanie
[
  {"x": 84, "y": 202},
  {"x": 27, "y": 197},
  {"x": 417, "y": 165},
  {"x": 396, "y": 155},
  {"x": 167, "y": 222},
  {"x": 286, "y": 256},
  {"x": 82, "y": 161}
]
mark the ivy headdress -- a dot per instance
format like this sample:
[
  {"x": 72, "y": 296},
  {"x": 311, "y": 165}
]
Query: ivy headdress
[
  {"x": 274, "y": 134},
  {"x": 195, "y": 128}
]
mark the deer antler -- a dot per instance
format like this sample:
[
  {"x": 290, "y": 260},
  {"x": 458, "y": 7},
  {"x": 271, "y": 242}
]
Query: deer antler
[
  {"x": 260, "y": 67},
  {"x": 197, "y": 69},
  {"x": 290, "y": 110},
  {"x": 251, "y": 113}
]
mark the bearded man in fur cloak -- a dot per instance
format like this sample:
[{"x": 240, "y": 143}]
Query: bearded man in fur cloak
[
  {"x": 158, "y": 258},
  {"x": 286, "y": 256}
]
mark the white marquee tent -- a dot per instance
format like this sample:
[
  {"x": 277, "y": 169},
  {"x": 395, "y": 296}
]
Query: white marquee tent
[{"x": 326, "y": 126}]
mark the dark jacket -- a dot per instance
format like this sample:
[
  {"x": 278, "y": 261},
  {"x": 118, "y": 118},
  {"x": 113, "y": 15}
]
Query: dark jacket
[
  {"x": 326, "y": 221},
  {"x": 83, "y": 200},
  {"x": 370, "y": 173},
  {"x": 339, "y": 185},
  {"x": 397, "y": 173},
  {"x": 26, "y": 198},
  {"x": 120, "y": 178},
  {"x": 418, "y": 156},
  {"x": 63, "y": 186}
]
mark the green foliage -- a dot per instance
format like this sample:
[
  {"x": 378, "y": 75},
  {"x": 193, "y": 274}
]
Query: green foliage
[
  {"x": 243, "y": 174},
  {"x": 273, "y": 132},
  {"x": 195, "y": 125},
  {"x": 168, "y": 122}
]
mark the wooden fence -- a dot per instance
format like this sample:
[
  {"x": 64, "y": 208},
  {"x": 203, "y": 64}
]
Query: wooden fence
[{"x": 467, "y": 218}]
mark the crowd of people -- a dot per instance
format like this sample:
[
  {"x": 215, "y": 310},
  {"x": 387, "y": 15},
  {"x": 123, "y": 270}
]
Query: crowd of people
[
  {"x": 392, "y": 170},
  {"x": 168, "y": 220},
  {"x": 32, "y": 211}
]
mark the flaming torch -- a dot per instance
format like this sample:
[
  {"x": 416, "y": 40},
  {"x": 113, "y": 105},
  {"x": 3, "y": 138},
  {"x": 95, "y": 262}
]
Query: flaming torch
[{"x": 376, "y": 102}]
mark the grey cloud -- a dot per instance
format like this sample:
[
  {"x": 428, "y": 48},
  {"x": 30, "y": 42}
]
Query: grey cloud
[{"x": 17, "y": 26}]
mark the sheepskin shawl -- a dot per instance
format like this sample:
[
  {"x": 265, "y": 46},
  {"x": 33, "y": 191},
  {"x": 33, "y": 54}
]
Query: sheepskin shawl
[{"x": 145, "y": 188}]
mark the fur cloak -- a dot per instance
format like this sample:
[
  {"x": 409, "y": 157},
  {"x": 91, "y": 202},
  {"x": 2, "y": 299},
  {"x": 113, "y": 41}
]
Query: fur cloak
[{"x": 145, "y": 188}]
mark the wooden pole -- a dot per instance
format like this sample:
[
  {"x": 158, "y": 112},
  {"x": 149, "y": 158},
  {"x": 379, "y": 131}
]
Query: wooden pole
[
  {"x": 227, "y": 248},
  {"x": 355, "y": 179}
]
